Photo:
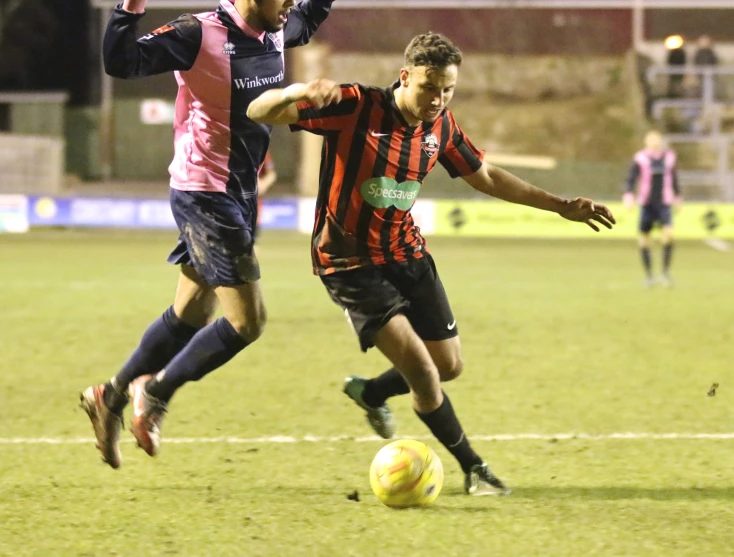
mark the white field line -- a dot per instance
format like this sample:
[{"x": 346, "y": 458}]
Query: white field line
[{"x": 280, "y": 439}]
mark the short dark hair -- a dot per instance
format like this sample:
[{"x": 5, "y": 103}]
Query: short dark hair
[{"x": 432, "y": 50}]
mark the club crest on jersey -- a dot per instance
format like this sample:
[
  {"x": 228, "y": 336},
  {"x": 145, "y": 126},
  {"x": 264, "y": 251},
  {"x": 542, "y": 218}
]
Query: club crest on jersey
[
  {"x": 430, "y": 144},
  {"x": 228, "y": 48},
  {"x": 277, "y": 41}
]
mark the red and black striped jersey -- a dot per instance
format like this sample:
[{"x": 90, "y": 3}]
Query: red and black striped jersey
[{"x": 373, "y": 165}]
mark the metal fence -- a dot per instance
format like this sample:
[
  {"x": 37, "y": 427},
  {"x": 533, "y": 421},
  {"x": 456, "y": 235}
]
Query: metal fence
[{"x": 695, "y": 104}]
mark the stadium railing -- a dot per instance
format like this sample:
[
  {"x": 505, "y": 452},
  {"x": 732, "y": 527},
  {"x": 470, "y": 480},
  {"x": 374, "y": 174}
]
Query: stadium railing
[{"x": 701, "y": 102}]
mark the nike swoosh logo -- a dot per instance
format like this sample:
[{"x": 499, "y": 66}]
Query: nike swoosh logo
[
  {"x": 375, "y": 134},
  {"x": 451, "y": 326}
]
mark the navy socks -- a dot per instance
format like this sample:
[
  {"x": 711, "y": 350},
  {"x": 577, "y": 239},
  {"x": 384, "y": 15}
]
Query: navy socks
[
  {"x": 212, "y": 347},
  {"x": 667, "y": 257},
  {"x": 646, "y": 261},
  {"x": 165, "y": 338}
]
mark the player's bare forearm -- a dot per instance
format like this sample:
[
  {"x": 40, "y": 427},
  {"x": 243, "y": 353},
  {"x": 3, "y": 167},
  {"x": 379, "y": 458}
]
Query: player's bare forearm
[
  {"x": 278, "y": 106},
  {"x": 273, "y": 107},
  {"x": 134, "y": 6},
  {"x": 499, "y": 183}
]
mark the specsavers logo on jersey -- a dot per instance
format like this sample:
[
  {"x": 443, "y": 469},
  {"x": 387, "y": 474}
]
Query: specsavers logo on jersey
[{"x": 386, "y": 192}]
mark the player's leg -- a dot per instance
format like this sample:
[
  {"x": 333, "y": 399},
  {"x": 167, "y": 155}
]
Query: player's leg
[
  {"x": 368, "y": 301},
  {"x": 643, "y": 241},
  {"x": 446, "y": 354},
  {"x": 212, "y": 347},
  {"x": 193, "y": 307},
  {"x": 647, "y": 219},
  {"x": 407, "y": 352},
  {"x": 222, "y": 252},
  {"x": 667, "y": 239},
  {"x": 429, "y": 312},
  {"x": 194, "y": 304}
]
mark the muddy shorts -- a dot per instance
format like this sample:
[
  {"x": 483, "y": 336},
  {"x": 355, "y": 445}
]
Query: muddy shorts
[{"x": 216, "y": 236}]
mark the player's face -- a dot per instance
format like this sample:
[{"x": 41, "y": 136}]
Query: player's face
[
  {"x": 271, "y": 15},
  {"x": 428, "y": 90},
  {"x": 654, "y": 141}
]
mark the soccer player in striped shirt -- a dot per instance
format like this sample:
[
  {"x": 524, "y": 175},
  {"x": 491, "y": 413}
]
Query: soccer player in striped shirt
[{"x": 379, "y": 145}]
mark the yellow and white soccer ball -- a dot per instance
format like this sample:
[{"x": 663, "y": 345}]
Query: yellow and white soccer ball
[{"x": 406, "y": 473}]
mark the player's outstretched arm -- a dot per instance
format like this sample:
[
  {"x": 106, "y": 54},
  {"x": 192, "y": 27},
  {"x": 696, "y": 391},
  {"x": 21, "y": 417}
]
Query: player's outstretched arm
[
  {"x": 303, "y": 21},
  {"x": 278, "y": 106},
  {"x": 499, "y": 183},
  {"x": 174, "y": 46}
]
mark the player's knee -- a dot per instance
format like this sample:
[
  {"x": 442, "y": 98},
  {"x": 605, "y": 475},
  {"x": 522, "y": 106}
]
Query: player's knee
[
  {"x": 196, "y": 315},
  {"x": 252, "y": 327},
  {"x": 451, "y": 369}
]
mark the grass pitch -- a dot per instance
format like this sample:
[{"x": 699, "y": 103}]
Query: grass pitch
[{"x": 558, "y": 337}]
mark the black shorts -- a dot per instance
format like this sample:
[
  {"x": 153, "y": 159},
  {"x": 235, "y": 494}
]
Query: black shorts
[
  {"x": 650, "y": 215},
  {"x": 216, "y": 236},
  {"x": 371, "y": 296}
]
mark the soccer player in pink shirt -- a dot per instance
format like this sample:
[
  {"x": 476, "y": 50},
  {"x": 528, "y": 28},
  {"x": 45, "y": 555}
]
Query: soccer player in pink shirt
[{"x": 222, "y": 60}]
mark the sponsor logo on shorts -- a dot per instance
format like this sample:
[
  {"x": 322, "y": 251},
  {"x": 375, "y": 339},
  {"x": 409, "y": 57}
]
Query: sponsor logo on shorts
[{"x": 386, "y": 192}]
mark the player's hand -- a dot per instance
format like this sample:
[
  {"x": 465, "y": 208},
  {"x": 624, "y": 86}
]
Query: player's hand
[
  {"x": 134, "y": 6},
  {"x": 585, "y": 210},
  {"x": 629, "y": 200},
  {"x": 319, "y": 92}
]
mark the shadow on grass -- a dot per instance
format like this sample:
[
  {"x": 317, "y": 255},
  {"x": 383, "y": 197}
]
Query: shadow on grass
[{"x": 613, "y": 493}]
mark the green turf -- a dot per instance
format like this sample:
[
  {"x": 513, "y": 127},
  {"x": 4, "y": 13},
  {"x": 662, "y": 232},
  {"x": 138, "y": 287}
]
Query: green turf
[{"x": 558, "y": 337}]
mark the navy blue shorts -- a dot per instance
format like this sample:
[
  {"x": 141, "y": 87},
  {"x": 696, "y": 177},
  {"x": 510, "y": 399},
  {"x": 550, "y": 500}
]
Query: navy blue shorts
[
  {"x": 216, "y": 236},
  {"x": 650, "y": 215}
]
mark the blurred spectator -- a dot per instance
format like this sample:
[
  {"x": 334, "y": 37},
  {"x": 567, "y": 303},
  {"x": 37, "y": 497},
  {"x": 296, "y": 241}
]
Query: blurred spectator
[
  {"x": 705, "y": 55},
  {"x": 676, "y": 59},
  {"x": 691, "y": 89}
]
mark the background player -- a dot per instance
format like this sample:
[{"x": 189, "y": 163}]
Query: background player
[
  {"x": 223, "y": 60},
  {"x": 379, "y": 145},
  {"x": 654, "y": 175}
]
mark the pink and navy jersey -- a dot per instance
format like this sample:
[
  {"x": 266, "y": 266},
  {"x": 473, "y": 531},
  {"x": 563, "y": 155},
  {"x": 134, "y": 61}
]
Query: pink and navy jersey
[
  {"x": 655, "y": 176},
  {"x": 221, "y": 65}
]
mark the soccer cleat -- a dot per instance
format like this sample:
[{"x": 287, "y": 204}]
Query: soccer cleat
[
  {"x": 105, "y": 421},
  {"x": 380, "y": 418},
  {"x": 481, "y": 481},
  {"x": 649, "y": 282},
  {"x": 147, "y": 418},
  {"x": 665, "y": 281}
]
